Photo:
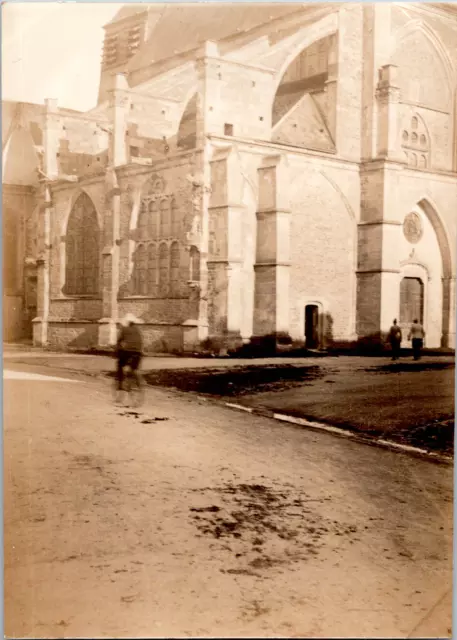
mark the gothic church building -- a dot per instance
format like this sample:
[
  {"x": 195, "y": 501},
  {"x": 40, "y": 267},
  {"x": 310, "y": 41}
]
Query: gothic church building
[{"x": 248, "y": 171}]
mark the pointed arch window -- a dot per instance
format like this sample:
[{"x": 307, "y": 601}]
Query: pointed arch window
[
  {"x": 152, "y": 270},
  {"x": 175, "y": 263},
  {"x": 82, "y": 267},
  {"x": 143, "y": 222},
  {"x": 165, "y": 211},
  {"x": 163, "y": 270},
  {"x": 174, "y": 219},
  {"x": 158, "y": 256},
  {"x": 194, "y": 264},
  {"x": 140, "y": 272},
  {"x": 153, "y": 209}
]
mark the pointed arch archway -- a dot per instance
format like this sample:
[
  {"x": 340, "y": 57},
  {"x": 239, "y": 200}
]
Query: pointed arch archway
[
  {"x": 448, "y": 268},
  {"x": 419, "y": 74}
]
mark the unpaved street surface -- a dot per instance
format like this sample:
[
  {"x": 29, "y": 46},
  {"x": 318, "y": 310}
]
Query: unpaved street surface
[{"x": 190, "y": 519}]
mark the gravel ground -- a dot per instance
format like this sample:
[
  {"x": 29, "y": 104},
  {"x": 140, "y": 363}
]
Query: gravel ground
[{"x": 187, "y": 519}]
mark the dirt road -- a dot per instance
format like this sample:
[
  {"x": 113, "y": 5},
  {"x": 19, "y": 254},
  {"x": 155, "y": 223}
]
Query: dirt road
[{"x": 188, "y": 519}]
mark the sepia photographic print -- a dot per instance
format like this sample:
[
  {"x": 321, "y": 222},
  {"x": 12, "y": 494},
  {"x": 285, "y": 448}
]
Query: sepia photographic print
[{"x": 229, "y": 275}]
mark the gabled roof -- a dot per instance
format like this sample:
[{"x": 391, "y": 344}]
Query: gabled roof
[{"x": 178, "y": 28}]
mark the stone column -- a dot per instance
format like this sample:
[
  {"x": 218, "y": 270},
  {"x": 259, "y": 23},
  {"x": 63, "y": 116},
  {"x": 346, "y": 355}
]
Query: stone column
[
  {"x": 119, "y": 105},
  {"x": 449, "y": 312},
  {"x": 377, "y": 28},
  {"x": 378, "y": 292},
  {"x": 272, "y": 268},
  {"x": 107, "y": 334},
  {"x": 51, "y": 141},
  {"x": 388, "y": 96},
  {"x": 225, "y": 248},
  {"x": 40, "y": 323},
  {"x": 209, "y": 91}
]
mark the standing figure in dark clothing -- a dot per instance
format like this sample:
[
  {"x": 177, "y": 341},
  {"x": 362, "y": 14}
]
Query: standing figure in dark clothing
[
  {"x": 417, "y": 334},
  {"x": 395, "y": 340},
  {"x": 129, "y": 350}
]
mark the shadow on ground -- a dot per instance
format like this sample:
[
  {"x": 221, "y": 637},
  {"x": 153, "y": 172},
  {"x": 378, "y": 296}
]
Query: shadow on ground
[{"x": 237, "y": 381}]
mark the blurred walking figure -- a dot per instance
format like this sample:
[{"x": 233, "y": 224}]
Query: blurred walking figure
[
  {"x": 417, "y": 335},
  {"x": 129, "y": 350},
  {"x": 395, "y": 340}
]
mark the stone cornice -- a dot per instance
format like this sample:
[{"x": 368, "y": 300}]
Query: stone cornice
[
  {"x": 361, "y": 272},
  {"x": 440, "y": 175},
  {"x": 257, "y": 147},
  {"x": 380, "y": 164},
  {"x": 226, "y": 206},
  {"x": 177, "y": 159},
  {"x": 62, "y": 185},
  {"x": 370, "y": 223},
  {"x": 272, "y": 264},
  {"x": 269, "y": 212}
]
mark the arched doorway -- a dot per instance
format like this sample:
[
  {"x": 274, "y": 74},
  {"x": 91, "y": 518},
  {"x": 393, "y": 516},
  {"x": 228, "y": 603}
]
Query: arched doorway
[{"x": 411, "y": 301}]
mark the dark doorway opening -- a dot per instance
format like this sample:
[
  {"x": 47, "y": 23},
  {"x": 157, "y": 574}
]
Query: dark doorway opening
[{"x": 312, "y": 326}]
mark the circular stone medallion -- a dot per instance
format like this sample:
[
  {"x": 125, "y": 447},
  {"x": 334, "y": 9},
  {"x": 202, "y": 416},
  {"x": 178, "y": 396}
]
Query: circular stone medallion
[{"x": 412, "y": 228}]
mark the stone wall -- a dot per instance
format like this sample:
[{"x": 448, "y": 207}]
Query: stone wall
[
  {"x": 385, "y": 256},
  {"x": 19, "y": 212},
  {"x": 323, "y": 246}
]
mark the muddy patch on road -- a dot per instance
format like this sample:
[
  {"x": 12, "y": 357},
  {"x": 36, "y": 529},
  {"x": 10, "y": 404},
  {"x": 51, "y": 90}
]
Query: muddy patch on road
[
  {"x": 399, "y": 367},
  {"x": 263, "y": 528}
]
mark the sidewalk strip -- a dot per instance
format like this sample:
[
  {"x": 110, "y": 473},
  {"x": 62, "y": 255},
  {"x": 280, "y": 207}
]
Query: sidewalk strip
[
  {"x": 314, "y": 425},
  {"x": 238, "y": 406}
]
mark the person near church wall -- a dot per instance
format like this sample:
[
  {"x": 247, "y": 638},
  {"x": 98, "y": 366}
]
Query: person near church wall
[
  {"x": 417, "y": 335},
  {"x": 395, "y": 337}
]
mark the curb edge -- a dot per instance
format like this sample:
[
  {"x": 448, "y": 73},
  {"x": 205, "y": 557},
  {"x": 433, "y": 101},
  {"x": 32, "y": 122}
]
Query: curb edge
[{"x": 344, "y": 433}]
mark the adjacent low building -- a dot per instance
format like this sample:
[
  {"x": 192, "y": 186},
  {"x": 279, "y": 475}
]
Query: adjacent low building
[{"x": 283, "y": 170}]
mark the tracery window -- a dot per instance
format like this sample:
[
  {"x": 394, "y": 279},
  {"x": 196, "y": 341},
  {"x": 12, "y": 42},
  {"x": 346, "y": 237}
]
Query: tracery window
[
  {"x": 174, "y": 219},
  {"x": 141, "y": 266},
  {"x": 165, "y": 214},
  {"x": 152, "y": 270},
  {"x": 174, "y": 268},
  {"x": 158, "y": 254},
  {"x": 82, "y": 266},
  {"x": 416, "y": 144},
  {"x": 163, "y": 270}
]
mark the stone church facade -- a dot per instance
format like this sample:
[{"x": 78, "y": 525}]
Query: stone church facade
[{"x": 248, "y": 171}]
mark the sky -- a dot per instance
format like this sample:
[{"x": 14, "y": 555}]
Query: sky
[{"x": 53, "y": 50}]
